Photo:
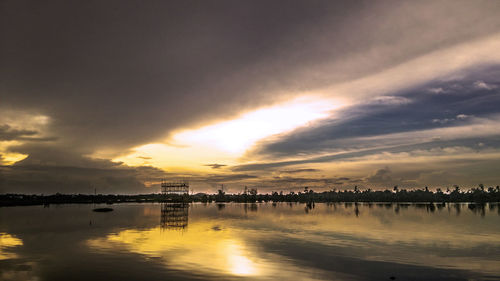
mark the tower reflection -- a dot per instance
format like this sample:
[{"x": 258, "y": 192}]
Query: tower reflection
[{"x": 174, "y": 216}]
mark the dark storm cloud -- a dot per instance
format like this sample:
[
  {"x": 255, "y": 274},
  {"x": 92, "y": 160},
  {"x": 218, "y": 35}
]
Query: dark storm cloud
[
  {"x": 122, "y": 73},
  {"x": 71, "y": 179},
  {"x": 475, "y": 94},
  {"x": 50, "y": 170},
  {"x": 127, "y": 72},
  {"x": 111, "y": 75}
]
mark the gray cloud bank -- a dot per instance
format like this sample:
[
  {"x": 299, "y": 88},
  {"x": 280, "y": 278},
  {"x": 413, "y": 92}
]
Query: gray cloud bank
[
  {"x": 111, "y": 75},
  {"x": 375, "y": 124}
]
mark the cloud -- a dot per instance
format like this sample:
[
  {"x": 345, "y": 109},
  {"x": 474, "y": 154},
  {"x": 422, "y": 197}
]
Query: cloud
[
  {"x": 441, "y": 177},
  {"x": 215, "y": 165},
  {"x": 7, "y": 133},
  {"x": 227, "y": 177},
  {"x": 364, "y": 121},
  {"x": 83, "y": 91},
  {"x": 391, "y": 100},
  {"x": 46, "y": 179},
  {"x": 483, "y": 85},
  {"x": 208, "y": 70},
  {"x": 436, "y": 90},
  {"x": 381, "y": 176},
  {"x": 397, "y": 143},
  {"x": 299, "y": 171},
  {"x": 297, "y": 183},
  {"x": 448, "y": 120},
  {"x": 144, "y": 157}
]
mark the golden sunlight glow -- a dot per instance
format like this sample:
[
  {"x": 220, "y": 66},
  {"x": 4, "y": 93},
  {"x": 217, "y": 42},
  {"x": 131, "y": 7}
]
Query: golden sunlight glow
[
  {"x": 9, "y": 158},
  {"x": 20, "y": 120},
  {"x": 188, "y": 250},
  {"x": 6, "y": 241},
  {"x": 226, "y": 141},
  {"x": 239, "y": 264},
  {"x": 239, "y": 134}
]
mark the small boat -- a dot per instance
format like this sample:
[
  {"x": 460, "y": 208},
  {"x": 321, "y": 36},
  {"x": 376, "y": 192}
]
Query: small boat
[{"x": 102, "y": 210}]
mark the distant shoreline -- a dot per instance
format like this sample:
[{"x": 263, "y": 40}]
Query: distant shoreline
[{"x": 476, "y": 195}]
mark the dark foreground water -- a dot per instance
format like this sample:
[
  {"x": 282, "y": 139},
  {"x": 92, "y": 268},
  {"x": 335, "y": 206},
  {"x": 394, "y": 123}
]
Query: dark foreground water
[{"x": 251, "y": 241}]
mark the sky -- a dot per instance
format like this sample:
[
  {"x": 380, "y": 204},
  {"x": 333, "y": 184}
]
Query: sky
[{"x": 273, "y": 95}]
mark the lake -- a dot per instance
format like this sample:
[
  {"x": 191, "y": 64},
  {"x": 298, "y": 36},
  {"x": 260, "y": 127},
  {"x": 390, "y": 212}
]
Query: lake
[{"x": 263, "y": 241}]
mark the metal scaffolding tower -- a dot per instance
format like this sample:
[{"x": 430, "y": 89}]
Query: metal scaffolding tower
[{"x": 179, "y": 188}]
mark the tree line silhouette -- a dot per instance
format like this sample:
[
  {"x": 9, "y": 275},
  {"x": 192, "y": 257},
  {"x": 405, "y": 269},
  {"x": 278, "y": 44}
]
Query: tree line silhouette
[
  {"x": 479, "y": 194},
  {"x": 476, "y": 194}
]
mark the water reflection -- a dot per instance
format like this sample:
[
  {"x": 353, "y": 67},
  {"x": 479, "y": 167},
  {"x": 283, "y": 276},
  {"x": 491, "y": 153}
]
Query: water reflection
[
  {"x": 174, "y": 216},
  {"x": 8, "y": 241},
  {"x": 477, "y": 208},
  {"x": 252, "y": 207},
  {"x": 204, "y": 248},
  {"x": 255, "y": 241},
  {"x": 211, "y": 248}
]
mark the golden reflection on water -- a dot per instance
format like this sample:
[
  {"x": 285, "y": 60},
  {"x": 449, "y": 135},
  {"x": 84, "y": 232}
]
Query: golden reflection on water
[
  {"x": 201, "y": 248},
  {"x": 226, "y": 243},
  {"x": 7, "y": 241},
  {"x": 207, "y": 246}
]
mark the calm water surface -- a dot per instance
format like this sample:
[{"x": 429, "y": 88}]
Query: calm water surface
[{"x": 251, "y": 242}]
